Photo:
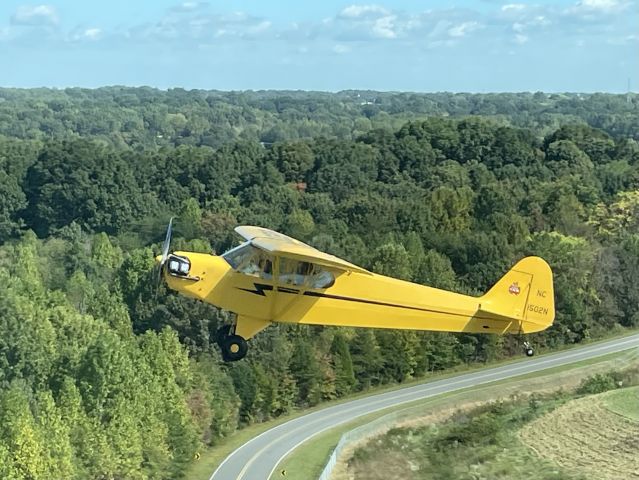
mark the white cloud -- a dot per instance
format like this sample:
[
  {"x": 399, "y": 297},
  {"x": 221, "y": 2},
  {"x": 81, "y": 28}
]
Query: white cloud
[
  {"x": 92, "y": 33},
  {"x": 362, "y": 11},
  {"x": 261, "y": 27},
  {"x": 513, "y": 7},
  {"x": 384, "y": 27},
  {"x": 364, "y": 22},
  {"x": 463, "y": 29},
  {"x": 605, "y": 5},
  {"x": 193, "y": 23},
  {"x": 440, "y": 28},
  {"x": 186, "y": 7},
  {"x": 540, "y": 20},
  {"x": 341, "y": 49},
  {"x": 84, "y": 34},
  {"x": 623, "y": 40},
  {"x": 203, "y": 28},
  {"x": 35, "y": 16},
  {"x": 592, "y": 10}
]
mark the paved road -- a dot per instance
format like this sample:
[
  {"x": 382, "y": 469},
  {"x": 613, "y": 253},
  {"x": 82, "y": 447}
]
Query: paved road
[{"x": 258, "y": 458}]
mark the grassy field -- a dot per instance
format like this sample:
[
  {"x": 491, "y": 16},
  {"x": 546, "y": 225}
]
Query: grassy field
[
  {"x": 624, "y": 402},
  {"x": 587, "y": 437}
]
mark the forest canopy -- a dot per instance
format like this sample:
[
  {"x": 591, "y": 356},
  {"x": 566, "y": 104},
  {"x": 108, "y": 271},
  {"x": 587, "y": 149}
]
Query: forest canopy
[{"x": 102, "y": 377}]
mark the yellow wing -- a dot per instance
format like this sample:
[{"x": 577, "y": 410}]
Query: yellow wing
[{"x": 285, "y": 246}]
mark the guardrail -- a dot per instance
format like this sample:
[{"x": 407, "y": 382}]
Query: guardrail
[{"x": 357, "y": 435}]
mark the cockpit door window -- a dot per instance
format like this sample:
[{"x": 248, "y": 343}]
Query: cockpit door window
[{"x": 299, "y": 273}]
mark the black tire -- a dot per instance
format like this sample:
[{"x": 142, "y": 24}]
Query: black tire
[
  {"x": 234, "y": 348},
  {"x": 222, "y": 333},
  {"x": 530, "y": 352}
]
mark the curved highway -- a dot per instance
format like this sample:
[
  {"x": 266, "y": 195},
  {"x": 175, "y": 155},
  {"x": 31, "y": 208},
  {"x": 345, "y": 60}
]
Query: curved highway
[{"x": 258, "y": 458}]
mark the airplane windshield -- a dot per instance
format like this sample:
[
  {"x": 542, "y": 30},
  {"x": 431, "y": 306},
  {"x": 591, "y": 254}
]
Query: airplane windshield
[{"x": 249, "y": 260}]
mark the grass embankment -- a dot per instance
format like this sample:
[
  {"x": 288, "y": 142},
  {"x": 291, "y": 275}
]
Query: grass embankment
[
  {"x": 553, "y": 436},
  {"x": 480, "y": 443}
]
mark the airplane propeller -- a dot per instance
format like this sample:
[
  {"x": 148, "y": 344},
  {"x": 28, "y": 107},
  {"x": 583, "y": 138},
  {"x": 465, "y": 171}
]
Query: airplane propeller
[{"x": 165, "y": 252}]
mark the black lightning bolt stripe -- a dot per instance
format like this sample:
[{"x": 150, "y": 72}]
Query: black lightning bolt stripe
[
  {"x": 260, "y": 288},
  {"x": 287, "y": 290},
  {"x": 362, "y": 300},
  {"x": 384, "y": 304}
]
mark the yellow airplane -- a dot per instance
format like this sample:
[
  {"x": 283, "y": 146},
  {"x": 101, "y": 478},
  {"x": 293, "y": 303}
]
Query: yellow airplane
[{"x": 274, "y": 278}]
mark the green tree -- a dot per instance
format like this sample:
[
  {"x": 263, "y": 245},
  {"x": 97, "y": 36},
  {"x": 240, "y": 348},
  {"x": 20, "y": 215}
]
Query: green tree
[
  {"x": 343, "y": 365},
  {"x": 305, "y": 369},
  {"x": 12, "y": 201},
  {"x": 392, "y": 260},
  {"x": 294, "y": 160},
  {"x": 27, "y": 454},
  {"x": 81, "y": 181}
]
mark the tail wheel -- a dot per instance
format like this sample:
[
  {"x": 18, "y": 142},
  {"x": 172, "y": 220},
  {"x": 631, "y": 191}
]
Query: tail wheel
[
  {"x": 528, "y": 349},
  {"x": 234, "y": 348}
]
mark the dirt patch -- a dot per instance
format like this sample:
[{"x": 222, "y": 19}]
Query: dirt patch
[{"x": 585, "y": 436}]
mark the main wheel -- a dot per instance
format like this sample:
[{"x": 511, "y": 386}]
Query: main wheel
[
  {"x": 529, "y": 352},
  {"x": 234, "y": 348}
]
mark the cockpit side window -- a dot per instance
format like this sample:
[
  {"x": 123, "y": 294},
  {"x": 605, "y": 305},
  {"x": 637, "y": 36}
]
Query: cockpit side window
[
  {"x": 293, "y": 272},
  {"x": 322, "y": 279},
  {"x": 299, "y": 273}
]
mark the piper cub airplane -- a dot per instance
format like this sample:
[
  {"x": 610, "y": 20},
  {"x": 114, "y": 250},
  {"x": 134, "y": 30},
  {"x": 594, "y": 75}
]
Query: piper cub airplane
[{"x": 275, "y": 278}]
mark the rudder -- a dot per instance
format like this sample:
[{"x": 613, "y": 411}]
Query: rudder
[{"x": 524, "y": 294}]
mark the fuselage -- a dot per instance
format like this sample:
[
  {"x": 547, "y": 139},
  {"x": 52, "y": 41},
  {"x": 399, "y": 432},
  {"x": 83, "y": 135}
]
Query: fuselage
[{"x": 352, "y": 298}]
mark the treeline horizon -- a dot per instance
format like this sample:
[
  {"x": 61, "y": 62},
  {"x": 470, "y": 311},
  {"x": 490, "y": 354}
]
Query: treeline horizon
[
  {"x": 103, "y": 376},
  {"x": 145, "y": 117}
]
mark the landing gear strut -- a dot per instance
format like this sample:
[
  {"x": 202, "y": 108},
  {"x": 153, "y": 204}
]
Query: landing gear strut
[
  {"x": 528, "y": 349},
  {"x": 233, "y": 346}
]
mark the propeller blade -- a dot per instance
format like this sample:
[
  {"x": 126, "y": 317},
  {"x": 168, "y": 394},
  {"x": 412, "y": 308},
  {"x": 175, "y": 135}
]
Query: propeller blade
[
  {"x": 167, "y": 243},
  {"x": 165, "y": 253}
]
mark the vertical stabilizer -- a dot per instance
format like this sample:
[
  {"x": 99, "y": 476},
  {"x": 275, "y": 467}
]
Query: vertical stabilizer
[{"x": 524, "y": 294}]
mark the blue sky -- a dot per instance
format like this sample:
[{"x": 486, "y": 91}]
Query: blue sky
[{"x": 476, "y": 46}]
